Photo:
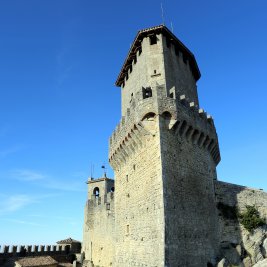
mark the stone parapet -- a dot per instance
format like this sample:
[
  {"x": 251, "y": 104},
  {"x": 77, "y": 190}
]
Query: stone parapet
[
  {"x": 7, "y": 251},
  {"x": 185, "y": 117}
]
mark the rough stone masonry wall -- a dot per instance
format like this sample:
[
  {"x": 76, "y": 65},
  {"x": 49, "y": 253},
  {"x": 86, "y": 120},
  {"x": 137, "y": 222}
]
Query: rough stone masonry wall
[
  {"x": 191, "y": 224},
  {"x": 139, "y": 202},
  {"x": 143, "y": 72},
  {"x": 178, "y": 73},
  {"x": 99, "y": 231}
]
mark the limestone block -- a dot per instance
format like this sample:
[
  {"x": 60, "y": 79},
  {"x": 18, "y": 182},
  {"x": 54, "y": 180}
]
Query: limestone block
[
  {"x": 262, "y": 263},
  {"x": 223, "y": 263},
  {"x": 252, "y": 244},
  {"x": 247, "y": 262},
  {"x": 264, "y": 248},
  {"x": 232, "y": 255},
  {"x": 239, "y": 250}
]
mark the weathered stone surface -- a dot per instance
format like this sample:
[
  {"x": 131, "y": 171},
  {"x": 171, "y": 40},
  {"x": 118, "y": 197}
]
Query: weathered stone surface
[
  {"x": 264, "y": 248},
  {"x": 247, "y": 262},
  {"x": 164, "y": 154},
  {"x": 252, "y": 244},
  {"x": 232, "y": 255},
  {"x": 223, "y": 263},
  {"x": 262, "y": 263}
]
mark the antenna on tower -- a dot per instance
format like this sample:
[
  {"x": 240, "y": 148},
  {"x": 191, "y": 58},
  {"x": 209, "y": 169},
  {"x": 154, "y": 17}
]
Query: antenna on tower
[
  {"x": 92, "y": 171},
  {"x": 171, "y": 27},
  {"x": 162, "y": 14},
  {"x": 104, "y": 168}
]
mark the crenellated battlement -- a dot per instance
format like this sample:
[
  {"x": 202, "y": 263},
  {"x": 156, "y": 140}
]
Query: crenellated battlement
[
  {"x": 186, "y": 119},
  {"x": 8, "y": 251},
  {"x": 96, "y": 201}
]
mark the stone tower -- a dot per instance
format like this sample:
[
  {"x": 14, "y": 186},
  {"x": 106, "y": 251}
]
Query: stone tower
[
  {"x": 99, "y": 223},
  {"x": 164, "y": 154}
]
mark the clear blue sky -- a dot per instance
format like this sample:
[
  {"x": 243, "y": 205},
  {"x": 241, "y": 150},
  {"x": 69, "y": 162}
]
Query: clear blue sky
[{"x": 59, "y": 60}]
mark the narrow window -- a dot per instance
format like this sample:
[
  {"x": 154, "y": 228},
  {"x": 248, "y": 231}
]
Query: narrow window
[
  {"x": 155, "y": 71},
  {"x": 108, "y": 206},
  {"x": 134, "y": 167},
  {"x": 153, "y": 39},
  {"x": 172, "y": 93},
  {"x": 127, "y": 178},
  {"x": 127, "y": 229},
  {"x": 147, "y": 92}
]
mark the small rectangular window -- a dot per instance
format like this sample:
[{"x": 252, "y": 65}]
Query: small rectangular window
[
  {"x": 147, "y": 92},
  {"x": 108, "y": 206},
  {"x": 153, "y": 39},
  {"x": 127, "y": 229}
]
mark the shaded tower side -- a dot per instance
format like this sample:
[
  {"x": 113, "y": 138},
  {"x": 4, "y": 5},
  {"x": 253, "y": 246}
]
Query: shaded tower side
[
  {"x": 99, "y": 224},
  {"x": 189, "y": 153}
]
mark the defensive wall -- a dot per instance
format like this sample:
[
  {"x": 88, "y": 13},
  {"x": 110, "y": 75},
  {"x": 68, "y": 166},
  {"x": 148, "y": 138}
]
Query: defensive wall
[
  {"x": 186, "y": 118},
  {"x": 61, "y": 253}
]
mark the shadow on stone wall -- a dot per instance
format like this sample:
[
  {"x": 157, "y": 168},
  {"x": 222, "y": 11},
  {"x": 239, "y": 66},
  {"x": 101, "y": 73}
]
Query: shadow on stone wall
[{"x": 238, "y": 246}]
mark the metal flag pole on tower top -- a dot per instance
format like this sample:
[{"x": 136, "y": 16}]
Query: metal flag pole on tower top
[{"x": 162, "y": 14}]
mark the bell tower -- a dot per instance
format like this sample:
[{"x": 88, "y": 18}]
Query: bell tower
[{"x": 164, "y": 154}]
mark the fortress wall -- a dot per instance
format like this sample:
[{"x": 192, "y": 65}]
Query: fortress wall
[
  {"x": 16, "y": 251},
  {"x": 99, "y": 227},
  {"x": 135, "y": 142},
  {"x": 139, "y": 200},
  {"x": 237, "y": 196},
  {"x": 191, "y": 225}
]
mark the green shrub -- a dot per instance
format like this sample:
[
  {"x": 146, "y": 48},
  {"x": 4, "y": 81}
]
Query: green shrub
[{"x": 250, "y": 218}]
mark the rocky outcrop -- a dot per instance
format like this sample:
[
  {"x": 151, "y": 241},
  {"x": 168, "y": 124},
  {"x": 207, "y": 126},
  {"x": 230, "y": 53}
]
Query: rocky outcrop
[{"x": 251, "y": 251}]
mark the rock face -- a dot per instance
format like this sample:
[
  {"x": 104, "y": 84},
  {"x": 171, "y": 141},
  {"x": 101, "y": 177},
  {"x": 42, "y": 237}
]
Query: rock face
[
  {"x": 253, "y": 244},
  {"x": 262, "y": 263},
  {"x": 264, "y": 248},
  {"x": 251, "y": 251},
  {"x": 240, "y": 247}
]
